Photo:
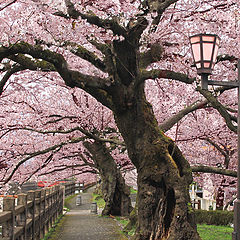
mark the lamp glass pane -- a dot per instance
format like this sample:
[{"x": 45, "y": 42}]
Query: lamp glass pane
[
  {"x": 207, "y": 51},
  {"x": 208, "y": 38},
  {"x": 198, "y": 65},
  {"x": 207, "y": 65},
  {"x": 215, "y": 53},
  {"x": 196, "y": 52},
  {"x": 194, "y": 39}
]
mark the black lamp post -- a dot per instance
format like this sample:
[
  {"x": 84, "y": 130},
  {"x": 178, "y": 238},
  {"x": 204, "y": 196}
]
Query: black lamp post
[{"x": 204, "y": 49}]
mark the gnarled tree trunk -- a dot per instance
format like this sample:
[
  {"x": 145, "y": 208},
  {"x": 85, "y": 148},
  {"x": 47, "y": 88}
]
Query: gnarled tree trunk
[
  {"x": 164, "y": 175},
  {"x": 115, "y": 192}
]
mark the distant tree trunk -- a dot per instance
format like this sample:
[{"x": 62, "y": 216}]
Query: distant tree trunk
[
  {"x": 220, "y": 195},
  {"x": 220, "y": 198},
  {"x": 115, "y": 192},
  {"x": 164, "y": 175}
]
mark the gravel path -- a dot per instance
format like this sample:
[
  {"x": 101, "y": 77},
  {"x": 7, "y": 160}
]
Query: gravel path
[{"x": 80, "y": 224}]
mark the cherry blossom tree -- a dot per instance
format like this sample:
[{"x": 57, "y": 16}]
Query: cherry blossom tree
[
  {"x": 110, "y": 49},
  {"x": 56, "y": 148}
]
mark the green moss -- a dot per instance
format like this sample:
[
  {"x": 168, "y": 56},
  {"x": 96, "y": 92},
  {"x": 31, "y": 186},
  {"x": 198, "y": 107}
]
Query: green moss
[
  {"x": 83, "y": 52},
  {"x": 67, "y": 201},
  {"x": 99, "y": 200},
  {"x": 124, "y": 222},
  {"x": 190, "y": 209},
  {"x": 130, "y": 226},
  {"x": 52, "y": 233},
  {"x": 132, "y": 231},
  {"x": 133, "y": 191},
  {"x": 22, "y": 44}
]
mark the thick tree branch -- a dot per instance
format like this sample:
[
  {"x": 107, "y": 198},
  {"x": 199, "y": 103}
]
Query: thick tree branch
[
  {"x": 90, "y": 164},
  {"x": 207, "y": 169},
  {"x": 60, "y": 118},
  {"x": 95, "y": 85},
  {"x": 156, "y": 7},
  {"x": 170, "y": 122},
  {"x": 230, "y": 202},
  {"x": 111, "y": 24},
  {"x": 163, "y": 5},
  {"x": 167, "y": 74},
  {"x": 32, "y": 64},
  {"x": 45, "y": 132},
  {"x": 136, "y": 29},
  {"x": 8, "y": 74},
  {"x": 219, "y": 107},
  {"x": 79, "y": 51},
  {"x": 223, "y": 149},
  {"x": 71, "y": 78},
  {"x": 100, "y": 46},
  {"x": 89, "y": 56}
]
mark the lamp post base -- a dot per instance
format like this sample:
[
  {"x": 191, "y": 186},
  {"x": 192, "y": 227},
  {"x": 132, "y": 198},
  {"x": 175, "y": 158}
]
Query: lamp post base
[{"x": 236, "y": 232}]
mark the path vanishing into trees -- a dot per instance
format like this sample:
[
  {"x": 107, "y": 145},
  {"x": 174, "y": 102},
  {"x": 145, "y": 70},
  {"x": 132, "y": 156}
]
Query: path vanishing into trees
[{"x": 80, "y": 224}]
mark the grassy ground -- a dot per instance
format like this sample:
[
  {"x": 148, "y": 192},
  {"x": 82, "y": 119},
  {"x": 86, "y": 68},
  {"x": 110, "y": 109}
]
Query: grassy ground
[
  {"x": 99, "y": 200},
  {"x": 57, "y": 225},
  {"x": 211, "y": 232},
  {"x": 133, "y": 191},
  {"x": 67, "y": 201},
  {"x": 207, "y": 232}
]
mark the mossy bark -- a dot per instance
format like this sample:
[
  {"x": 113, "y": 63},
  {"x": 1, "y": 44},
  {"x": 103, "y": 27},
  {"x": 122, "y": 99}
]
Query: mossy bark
[
  {"x": 115, "y": 192},
  {"x": 164, "y": 175},
  {"x": 132, "y": 219}
]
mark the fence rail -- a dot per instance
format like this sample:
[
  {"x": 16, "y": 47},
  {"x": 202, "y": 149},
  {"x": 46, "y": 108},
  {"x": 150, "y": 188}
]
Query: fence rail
[{"x": 29, "y": 216}]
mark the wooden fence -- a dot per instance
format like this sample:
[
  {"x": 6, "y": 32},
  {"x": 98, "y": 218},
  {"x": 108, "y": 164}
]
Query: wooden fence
[{"x": 34, "y": 213}]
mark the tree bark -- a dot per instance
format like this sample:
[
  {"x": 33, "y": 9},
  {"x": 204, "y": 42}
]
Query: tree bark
[
  {"x": 115, "y": 192},
  {"x": 164, "y": 175}
]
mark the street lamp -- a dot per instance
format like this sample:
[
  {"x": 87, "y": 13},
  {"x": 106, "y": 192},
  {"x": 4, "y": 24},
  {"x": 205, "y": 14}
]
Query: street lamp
[{"x": 204, "y": 50}]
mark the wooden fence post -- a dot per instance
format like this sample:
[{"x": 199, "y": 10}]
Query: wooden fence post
[
  {"x": 8, "y": 227},
  {"x": 47, "y": 211},
  {"x": 55, "y": 204},
  {"x": 51, "y": 208},
  {"x": 21, "y": 219},
  {"x": 64, "y": 193},
  {"x": 31, "y": 212},
  {"x": 38, "y": 216},
  {"x": 58, "y": 201},
  {"x": 43, "y": 221},
  {"x": 62, "y": 198}
]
